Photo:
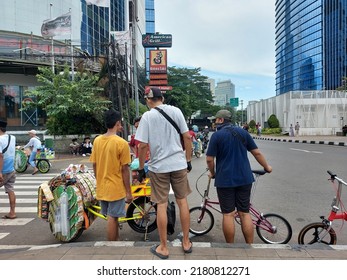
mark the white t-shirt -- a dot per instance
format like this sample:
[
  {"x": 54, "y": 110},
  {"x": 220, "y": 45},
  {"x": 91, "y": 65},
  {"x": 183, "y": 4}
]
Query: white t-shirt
[
  {"x": 166, "y": 153},
  {"x": 8, "y": 165},
  {"x": 34, "y": 143}
]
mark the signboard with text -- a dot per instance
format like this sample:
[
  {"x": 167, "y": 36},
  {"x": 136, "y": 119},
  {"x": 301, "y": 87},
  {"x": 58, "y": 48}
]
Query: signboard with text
[
  {"x": 157, "y": 40},
  {"x": 158, "y": 61},
  {"x": 234, "y": 102}
]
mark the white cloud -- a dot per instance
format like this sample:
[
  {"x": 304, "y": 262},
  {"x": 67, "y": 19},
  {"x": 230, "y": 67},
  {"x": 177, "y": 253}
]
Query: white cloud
[{"x": 235, "y": 38}]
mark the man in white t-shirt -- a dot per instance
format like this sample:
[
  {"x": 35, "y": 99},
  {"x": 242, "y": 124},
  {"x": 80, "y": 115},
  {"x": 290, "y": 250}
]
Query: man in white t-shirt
[
  {"x": 7, "y": 172},
  {"x": 169, "y": 164},
  {"x": 34, "y": 143}
]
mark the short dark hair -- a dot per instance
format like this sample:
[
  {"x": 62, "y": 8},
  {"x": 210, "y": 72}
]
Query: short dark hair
[
  {"x": 3, "y": 129},
  {"x": 137, "y": 119},
  {"x": 112, "y": 117}
]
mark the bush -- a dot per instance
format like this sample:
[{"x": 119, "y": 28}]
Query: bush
[
  {"x": 252, "y": 124},
  {"x": 273, "y": 122}
]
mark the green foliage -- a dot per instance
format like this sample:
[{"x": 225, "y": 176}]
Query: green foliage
[
  {"x": 273, "y": 122},
  {"x": 272, "y": 131},
  {"x": 190, "y": 91},
  {"x": 252, "y": 124},
  {"x": 72, "y": 107}
]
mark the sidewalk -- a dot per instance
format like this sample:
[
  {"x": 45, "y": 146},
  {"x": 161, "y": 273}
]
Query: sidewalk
[
  {"x": 310, "y": 139},
  {"x": 120, "y": 250}
]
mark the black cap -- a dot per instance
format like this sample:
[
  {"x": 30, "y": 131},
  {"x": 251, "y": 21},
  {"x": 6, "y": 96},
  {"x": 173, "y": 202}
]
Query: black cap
[{"x": 152, "y": 92}]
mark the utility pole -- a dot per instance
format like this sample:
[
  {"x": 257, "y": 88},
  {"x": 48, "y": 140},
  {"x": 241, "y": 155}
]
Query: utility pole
[
  {"x": 52, "y": 43},
  {"x": 134, "y": 56},
  {"x": 241, "y": 101}
]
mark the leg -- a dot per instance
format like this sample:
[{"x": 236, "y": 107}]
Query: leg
[
  {"x": 229, "y": 227},
  {"x": 247, "y": 227},
  {"x": 162, "y": 228},
  {"x": 12, "y": 199},
  {"x": 112, "y": 229},
  {"x": 32, "y": 162},
  {"x": 185, "y": 221}
]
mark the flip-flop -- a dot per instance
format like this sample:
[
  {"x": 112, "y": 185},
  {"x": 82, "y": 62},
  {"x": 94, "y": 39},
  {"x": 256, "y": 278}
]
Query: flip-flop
[
  {"x": 34, "y": 172},
  {"x": 188, "y": 251},
  {"x": 154, "y": 252},
  {"x": 8, "y": 217}
]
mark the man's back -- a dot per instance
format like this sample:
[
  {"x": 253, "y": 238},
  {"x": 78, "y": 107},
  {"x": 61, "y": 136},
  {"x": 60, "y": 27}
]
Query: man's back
[{"x": 164, "y": 141}]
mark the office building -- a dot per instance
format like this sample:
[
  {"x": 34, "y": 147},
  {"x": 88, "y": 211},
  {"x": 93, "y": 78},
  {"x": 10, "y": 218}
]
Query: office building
[
  {"x": 224, "y": 90},
  {"x": 311, "y": 45},
  {"x": 23, "y": 48}
]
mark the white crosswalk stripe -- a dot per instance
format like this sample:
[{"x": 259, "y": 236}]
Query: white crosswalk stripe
[{"x": 26, "y": 189}]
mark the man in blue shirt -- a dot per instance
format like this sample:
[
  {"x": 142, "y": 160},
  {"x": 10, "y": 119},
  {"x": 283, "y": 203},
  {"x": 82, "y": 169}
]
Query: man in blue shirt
[
  {"x": 7, "y": 172},
  {"x": 228, "y": 163}
]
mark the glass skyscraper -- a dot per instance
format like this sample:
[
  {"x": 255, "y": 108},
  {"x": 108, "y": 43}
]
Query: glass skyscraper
[
  {"x": 150, "y": 27},
  {"x": 311, "y": 40}
]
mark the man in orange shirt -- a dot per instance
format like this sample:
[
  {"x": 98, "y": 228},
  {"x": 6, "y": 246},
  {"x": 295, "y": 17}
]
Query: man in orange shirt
[{"x": 111, "y": 158}]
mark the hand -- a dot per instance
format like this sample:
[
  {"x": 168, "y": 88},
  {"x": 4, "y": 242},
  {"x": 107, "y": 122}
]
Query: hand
[
  {"x": 189, "y": 166},
  {"x": 129, "y": 198},
  {"x": 141, "y": 175}
]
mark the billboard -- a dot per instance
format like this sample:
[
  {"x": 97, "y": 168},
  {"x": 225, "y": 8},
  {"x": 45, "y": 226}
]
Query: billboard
[
  {"x": 157, "y": 40},
  {"x": 158, "y": 61}
]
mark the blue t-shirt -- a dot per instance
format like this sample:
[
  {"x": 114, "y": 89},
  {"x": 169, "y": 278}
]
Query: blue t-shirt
[
  {"x": 233, "y": 168},
  {"x": 8, "y": 156}
]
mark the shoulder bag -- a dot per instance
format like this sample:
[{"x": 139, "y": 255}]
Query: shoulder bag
[{"x": 173, "y": 124}]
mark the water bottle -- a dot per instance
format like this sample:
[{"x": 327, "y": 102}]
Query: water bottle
[
  {"x": 64, "y": 211},
  {"x": 57, "y": 226}
]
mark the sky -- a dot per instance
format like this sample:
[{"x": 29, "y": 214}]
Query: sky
[{"x": 227, "y": 39}]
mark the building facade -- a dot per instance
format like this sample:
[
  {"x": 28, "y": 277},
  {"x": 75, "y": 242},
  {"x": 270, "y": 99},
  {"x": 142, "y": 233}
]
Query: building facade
[
  {"x": 150, "y": 28},
  {"x": 311, "y": 44},
  {"x": 224, "y": 90},
  {"x": 23, "y": 49}
]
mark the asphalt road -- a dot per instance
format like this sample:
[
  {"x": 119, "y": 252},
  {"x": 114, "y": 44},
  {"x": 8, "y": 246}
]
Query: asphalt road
[{"x": 298, "y": 189}]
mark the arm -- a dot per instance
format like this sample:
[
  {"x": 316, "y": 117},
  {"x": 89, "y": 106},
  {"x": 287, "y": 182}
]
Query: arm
[
  {"x": 126, "y": 182},
  {"x": 1, "y": 165},
  {"x": 187, "y": 145},
  {"x": 210, "y": 165},
  {"x": 261, "y": 159},
  {"x": 94, "y": 168},
  {"x": 142, "y": 149}
]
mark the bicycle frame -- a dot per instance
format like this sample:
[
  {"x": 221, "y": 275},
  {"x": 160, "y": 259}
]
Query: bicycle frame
[
  {"x": 334, "y": 215},
  {"x": 255, "y": 214}
]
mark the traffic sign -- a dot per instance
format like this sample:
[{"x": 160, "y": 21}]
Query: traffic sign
[{"x": 234, "y": 102}]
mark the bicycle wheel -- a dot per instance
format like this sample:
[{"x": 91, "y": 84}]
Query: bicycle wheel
[
  {"x": 141, "y": 220},
  {"x": 20, "y": 162},
  {"x": 201, "y": 221},
  {"x": 274, "y": 229},
  {"x": 43, "y": 165},
  {"x": 317, "y": 233}
]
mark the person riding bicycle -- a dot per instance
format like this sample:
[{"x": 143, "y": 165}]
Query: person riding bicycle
[
  {"x": 34, "y": 143},
  {"x": 233, "y": 174},
  {"x": 193, "y": 138}
]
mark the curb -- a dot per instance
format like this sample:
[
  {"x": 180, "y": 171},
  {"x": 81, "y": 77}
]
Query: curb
[
  {"x": 138, "y": 244},
  {"x": 301, "y": 141}
]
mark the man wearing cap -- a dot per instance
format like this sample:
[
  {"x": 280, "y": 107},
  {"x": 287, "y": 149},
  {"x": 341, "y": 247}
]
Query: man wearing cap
[
  {"x": 7, "y": 172},
  {"x": 227, "y": 161},
  {"x": 169, "y": 164},
  {"x": 34, "y": 143}
]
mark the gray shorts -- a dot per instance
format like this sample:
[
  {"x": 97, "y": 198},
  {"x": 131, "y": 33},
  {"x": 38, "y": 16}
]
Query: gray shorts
[
  {"x": 9, "y": 180},
  {"x": 113, "y": 209},
  {"x": 160, "y": 185}
]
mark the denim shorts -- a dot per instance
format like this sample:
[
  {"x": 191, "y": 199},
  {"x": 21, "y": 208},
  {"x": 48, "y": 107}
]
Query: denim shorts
[{"x": 113, "y": 209}]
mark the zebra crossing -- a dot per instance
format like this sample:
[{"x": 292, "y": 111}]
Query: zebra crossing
[{"x": 26, "y": 190}]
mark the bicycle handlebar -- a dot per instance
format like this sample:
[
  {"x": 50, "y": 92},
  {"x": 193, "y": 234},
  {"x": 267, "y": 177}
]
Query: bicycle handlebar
[{"x": 333, "y": 176}]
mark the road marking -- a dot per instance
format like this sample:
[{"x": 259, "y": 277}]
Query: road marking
[
  {"x": 306, "y": 151},
  {"x": 20, "y": 200},
  {"x": 24, "y": 193},
  {"x": 15, "y": 222},
  {"x": 3, "y": 235},
  {"x": 20, "y": 209}
]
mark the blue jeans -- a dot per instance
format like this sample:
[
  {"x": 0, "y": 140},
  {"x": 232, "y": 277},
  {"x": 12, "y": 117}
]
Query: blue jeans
[{"x": 32, "y": 159}]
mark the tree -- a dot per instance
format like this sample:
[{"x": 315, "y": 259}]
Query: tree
[
  {"x": 273, "y": 122},
  {"x": 190, "y": 90},
  {"x": 72, "y": 107}
]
